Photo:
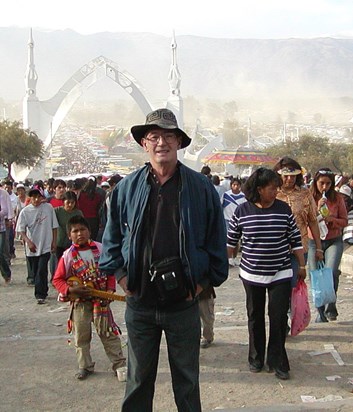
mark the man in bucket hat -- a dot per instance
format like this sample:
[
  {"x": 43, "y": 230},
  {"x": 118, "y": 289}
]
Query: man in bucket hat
[{"x": 165, "y": 242}]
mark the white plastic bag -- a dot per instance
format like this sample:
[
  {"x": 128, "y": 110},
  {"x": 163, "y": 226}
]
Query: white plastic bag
[{"x": 322, "y": 227}]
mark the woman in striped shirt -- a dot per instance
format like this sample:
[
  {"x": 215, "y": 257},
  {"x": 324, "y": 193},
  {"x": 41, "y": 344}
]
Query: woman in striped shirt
[{"x": 268, "y": 232}]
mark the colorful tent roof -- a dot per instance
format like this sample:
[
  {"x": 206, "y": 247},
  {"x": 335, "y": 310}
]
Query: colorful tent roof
[{"x": 241, "y": 157}]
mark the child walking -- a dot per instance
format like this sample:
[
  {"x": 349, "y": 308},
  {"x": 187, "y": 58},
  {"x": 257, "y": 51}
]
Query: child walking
[
  {"x": 37, "y": 225},
  {"x": 81, "y": 261}
]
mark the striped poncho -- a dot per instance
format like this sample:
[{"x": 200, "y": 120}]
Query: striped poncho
[{"x": 268, "y": 235}]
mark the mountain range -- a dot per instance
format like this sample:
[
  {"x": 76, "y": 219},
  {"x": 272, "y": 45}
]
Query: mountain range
[{"x": 224, "y": 69}]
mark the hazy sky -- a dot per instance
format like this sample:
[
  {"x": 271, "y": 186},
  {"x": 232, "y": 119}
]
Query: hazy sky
[{"x": 219, "y": 18}]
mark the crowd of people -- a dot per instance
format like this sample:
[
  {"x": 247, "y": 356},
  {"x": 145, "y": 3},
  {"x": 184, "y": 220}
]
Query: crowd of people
[
  {"x": 76, "y": 159},
  {"x": 167, "y": 235}
]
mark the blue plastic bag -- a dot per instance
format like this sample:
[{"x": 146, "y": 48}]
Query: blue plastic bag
[{"x": 322, "y": 285}]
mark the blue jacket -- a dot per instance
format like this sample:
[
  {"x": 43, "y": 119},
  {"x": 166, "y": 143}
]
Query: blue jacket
[{"x": 202, "y": 229}]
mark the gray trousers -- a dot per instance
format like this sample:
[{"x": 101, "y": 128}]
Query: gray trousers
[
  {"x": 82, "y": 316},
  {"x": 206, "y": 308}
]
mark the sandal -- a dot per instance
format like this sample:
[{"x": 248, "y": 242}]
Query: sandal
[{"x": 82, "y": 374}]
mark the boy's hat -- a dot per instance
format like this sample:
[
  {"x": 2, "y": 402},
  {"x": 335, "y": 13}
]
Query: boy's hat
[
  {"x": 163, "y": 119},
  {"x": 35, "y": 191},
  {"x": 105, "y": 184},
  {"x": 20, "y": 186}
]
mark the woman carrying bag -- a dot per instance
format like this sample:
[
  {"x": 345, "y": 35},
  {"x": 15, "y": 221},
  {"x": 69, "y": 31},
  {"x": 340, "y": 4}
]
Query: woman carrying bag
[
  {"x": 268, "y": 231},
  {"x": 330, "y": 205}
]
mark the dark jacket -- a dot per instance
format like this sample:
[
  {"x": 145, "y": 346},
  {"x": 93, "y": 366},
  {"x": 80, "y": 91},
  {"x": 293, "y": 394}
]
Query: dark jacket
[{"x": 202, "y": 229}]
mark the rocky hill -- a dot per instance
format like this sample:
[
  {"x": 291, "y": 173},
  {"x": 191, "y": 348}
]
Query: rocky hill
[{"x": 225, "y": 69}]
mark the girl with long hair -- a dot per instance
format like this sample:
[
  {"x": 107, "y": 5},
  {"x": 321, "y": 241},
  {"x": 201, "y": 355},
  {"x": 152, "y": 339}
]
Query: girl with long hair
[{"x": 324, "y": 193}]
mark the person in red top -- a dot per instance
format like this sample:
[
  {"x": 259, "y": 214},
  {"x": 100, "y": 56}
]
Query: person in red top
[
  {"x": 332, "y": 244},
  {"x": 89, "y": 202},
  {"x": 59, "y": 191},
  {"x": 81, "y": 261},
  {"x": 57, "y": 200}
]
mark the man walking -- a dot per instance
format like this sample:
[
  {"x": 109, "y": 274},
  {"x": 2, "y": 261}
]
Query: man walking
[{"x": 165, "y": 241}]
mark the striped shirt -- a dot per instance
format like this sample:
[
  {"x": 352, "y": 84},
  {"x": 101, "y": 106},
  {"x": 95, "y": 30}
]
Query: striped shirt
[{"x": 267, "y": 236}]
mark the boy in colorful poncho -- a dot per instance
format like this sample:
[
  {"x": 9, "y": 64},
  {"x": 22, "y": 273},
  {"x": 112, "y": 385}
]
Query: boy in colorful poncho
[{"x": 81, "y": 261}]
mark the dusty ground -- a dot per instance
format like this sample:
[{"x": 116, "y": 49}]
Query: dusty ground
[{"x": 38, "y": 364}]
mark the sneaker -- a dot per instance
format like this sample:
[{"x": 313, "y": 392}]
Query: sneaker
[
  {"x": 236, "y": 262},
  {"x": 30, "y": 283},
  {"x": 121, "y": 374},
  {"x": 7, "y": 281},
  {"x": 41, "y": 301},
  {"x": 205, "y": 343}
]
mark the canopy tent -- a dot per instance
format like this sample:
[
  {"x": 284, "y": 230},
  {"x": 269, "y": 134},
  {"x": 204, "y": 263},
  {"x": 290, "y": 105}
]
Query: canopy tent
[{"x": 239, "y": 157}]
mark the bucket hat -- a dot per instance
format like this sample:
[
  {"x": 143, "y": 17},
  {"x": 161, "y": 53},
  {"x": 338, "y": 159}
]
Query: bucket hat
[{"x": 163, "y": 119}]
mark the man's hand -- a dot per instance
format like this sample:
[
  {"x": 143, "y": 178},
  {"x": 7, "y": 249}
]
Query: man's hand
[
  {"x": 199, "y": 289},
  {"x": 123, "y": 284}
]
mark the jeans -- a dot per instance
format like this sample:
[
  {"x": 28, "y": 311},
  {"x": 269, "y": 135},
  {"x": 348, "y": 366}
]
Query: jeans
[
  {"x": 333, "y": 250},
  {"x": 11, "y": 231},
  {"x": 181, "y": 326},
  {"x": 4, "y": 265},
  {"x": 278, "y": 304},
  {"x": 39, "y": 268}
]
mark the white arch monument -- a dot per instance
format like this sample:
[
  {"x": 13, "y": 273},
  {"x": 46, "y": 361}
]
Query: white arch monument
[{"x": 45, "y": 117}]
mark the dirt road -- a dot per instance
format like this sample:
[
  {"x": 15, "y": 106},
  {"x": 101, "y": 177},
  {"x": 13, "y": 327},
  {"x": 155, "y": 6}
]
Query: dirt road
[{"x": 38, "y": 364}]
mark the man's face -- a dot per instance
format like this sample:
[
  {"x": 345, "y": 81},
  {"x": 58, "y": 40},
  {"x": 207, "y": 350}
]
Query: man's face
[
  {"x": 69, "y": 205},
  {"x": 20, "y": 191},
  {"x": 79, "y": 234},
  {"x": 8, "y": 189},
  {"x": 36, "y": 199},
  {"x": 162, "y": 146},
  {"x": 60, "y": 191}
]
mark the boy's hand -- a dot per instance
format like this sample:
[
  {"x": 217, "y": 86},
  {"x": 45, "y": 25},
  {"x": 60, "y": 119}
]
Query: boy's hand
[
  {"x": 53, "y": 247},
  {"x": 32, "y": 247},
  {"x": 81, "y": 291}
]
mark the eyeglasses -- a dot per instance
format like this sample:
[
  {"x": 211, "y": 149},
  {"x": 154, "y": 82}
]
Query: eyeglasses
[
  {"x": 325, "y": 172},
  {"x": 167, "y": 137}
]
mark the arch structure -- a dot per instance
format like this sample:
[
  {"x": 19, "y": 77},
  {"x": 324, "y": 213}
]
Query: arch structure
[{"x": 45, "y": 117}]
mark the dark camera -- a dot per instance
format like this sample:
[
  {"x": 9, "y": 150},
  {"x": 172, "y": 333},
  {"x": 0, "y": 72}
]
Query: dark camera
[{"x": 169, "y": 281}]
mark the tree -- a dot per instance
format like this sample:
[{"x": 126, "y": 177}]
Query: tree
[
  {"x": 18, "y": 145},
  {"x": 312, "y": 152}
]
